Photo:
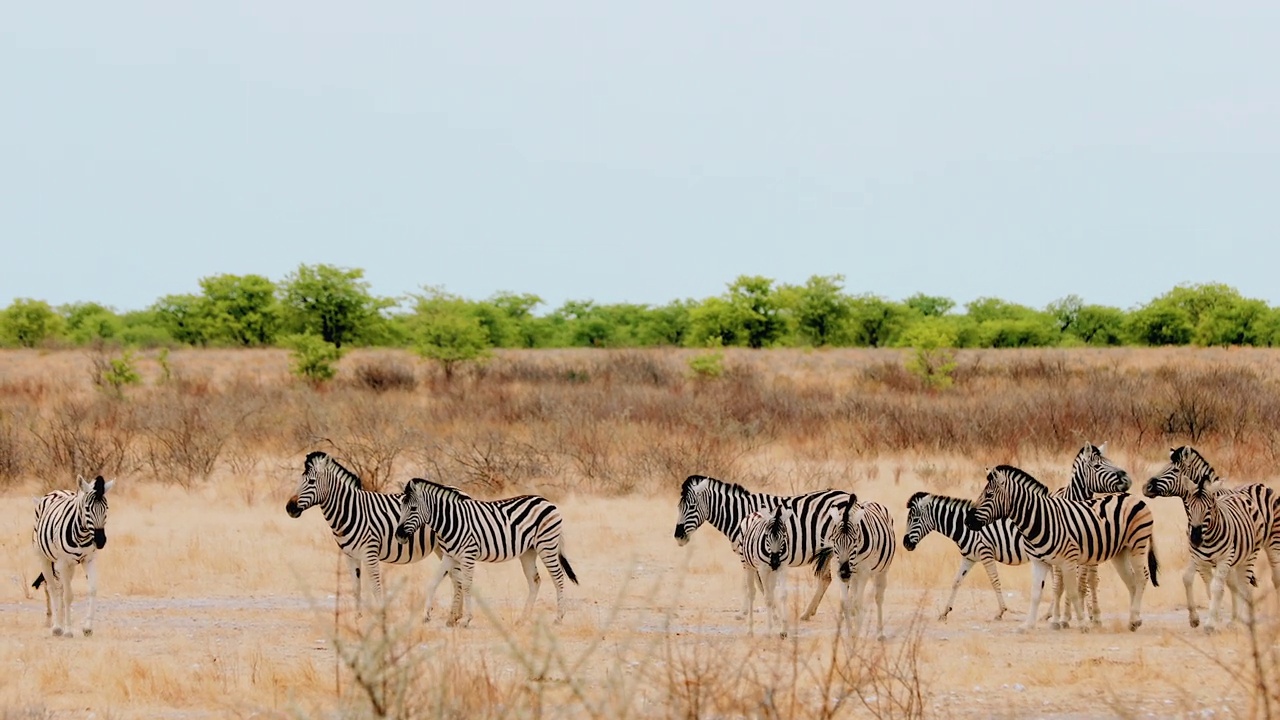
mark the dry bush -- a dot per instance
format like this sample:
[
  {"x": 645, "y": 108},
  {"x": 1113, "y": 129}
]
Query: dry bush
[
  {"x": 490, "y": 460},
  {"x": 80, "y": 436},
  {"x": 385, "y": 374}
]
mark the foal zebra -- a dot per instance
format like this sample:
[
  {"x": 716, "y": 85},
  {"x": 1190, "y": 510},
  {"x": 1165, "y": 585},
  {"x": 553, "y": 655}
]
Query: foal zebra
[
  {"x": 861, "y": 543},
  {"x": 69, "y": 530},
  {"x": 1225, "y": 536},
  {"x": 1091, "y": 473},
  {"x": 471, "y": 531},
  {"x": 724, "y": 505},
  {"x": 1186, "y": 473},
  {"x": 1068, "y": 533},
  {"x": 997, "y": 542},
  {"x": 762, "y": 543},
  {"x": 363, "y": 523}
]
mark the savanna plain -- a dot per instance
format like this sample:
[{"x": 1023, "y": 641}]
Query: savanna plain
[{"x": 212, "y": 602}]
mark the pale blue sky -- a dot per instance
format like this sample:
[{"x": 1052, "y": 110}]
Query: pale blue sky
[{"x": 589, "y": 150}]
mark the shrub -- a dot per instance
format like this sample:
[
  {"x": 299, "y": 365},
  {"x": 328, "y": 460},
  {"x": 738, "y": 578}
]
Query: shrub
[
  {"x": 933, "y": 359},
  {"x": 112, "y": 374},
  {"x": 385, "y": 374},
  {"x": 313, "y": 358},
  {"x": 707, "y": 365}
]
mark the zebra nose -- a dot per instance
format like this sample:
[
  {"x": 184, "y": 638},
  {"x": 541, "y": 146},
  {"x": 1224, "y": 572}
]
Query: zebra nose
[
  {"x": 402, "y": 534},
  {"x": 908, "y": 543},
  {"x": 846, "y": 571},
  {"x": 971, "y": 520},
  {"x": 99, "y": 539},
  {"x": 1149, "y": 489},
  {"x": 291, "y": 507},
  {"x": 1197, "y": 535}
]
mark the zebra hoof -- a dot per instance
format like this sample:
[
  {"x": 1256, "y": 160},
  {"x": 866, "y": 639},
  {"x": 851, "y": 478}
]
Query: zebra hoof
[
  {"x": 1195, "y": 621},
  {"x": 1055, "y": 625},
  {"x": 1134, "y": 625},
  {"x": 88, "y": 632},
  {"x": 57, "y": 632},
  {"x": 782, "y": 635}
]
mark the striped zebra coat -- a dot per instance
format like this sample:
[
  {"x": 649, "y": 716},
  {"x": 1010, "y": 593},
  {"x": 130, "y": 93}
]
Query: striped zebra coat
[
  {"x": 1091, "y": 474},
  {"x": 1226, "y": 532},
  {"x": 1070, "y": 534},
  {"x": 860, "y": 543},
  {"x": 363, "y": 524},
  {"x": 998, "y": 542},
  {"x": 69, "y": 530},
  {"x": 1187, "y": 473},
  {"x": 724, "y": 505},
  {"x": 470, "y": 531},
  {"x": 762, "y": 542}
]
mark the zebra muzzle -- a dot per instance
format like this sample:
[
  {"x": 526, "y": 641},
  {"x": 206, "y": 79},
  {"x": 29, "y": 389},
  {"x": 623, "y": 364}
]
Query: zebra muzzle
[
  {"x": 292, "y": 508},
  {"x": 1197, "y": 535},
  {"x": 909, "y": 543},
  {"x": 99, "y": 539},
  {"x": 971, "y": 520}
]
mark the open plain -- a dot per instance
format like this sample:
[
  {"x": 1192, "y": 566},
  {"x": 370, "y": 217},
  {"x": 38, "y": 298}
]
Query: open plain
[{"x": 214, "y": 603}]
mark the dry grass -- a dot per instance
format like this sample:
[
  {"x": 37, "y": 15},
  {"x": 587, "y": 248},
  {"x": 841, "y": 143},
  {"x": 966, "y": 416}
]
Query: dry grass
[{"x": 214, "y": 603}]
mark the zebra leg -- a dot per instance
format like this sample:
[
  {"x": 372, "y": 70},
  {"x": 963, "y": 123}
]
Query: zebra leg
[
  {"x": 994, "y": 575},
  {"x": 46, "y": 569},
  {"x": 769, "y": 578},
  {"x": 881, "y": 582},
  {"x": 442, "y": 572},
  {"x": 824, "y": 579},
  {"x": 1241, "y": 598},
  {"x": 1039, "y": 569},
  {"x": 528, "y": 562},
  {"x": 1215, "y": 595},
  {"x": 466, "y": 575},
  {"x": 64, "y": 612},
  {"x": 373, "y": 569},
  {"x": 1141, "y": 578},
  {"x": 1123, "y": 562},
  {"x": 554, "y": 560},
  {"x": 965, "y": 565},
  {"x": 353, "y": 564},
  {"x": 91, "y": 573},
  {"x": 1055, "y": 614},
  {"x": 1095, "y": 612},
  {"x": 1188, "y": 583},
  {"x": 752, "y": 578},
  {"x": 857, "y": 592}
]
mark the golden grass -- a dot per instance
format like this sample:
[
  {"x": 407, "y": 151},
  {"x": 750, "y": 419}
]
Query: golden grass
[{"x": 209, "y": 604}]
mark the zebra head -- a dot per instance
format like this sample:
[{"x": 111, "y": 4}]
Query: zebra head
[
  {"x": 411, "y": 515},
  {"x": 776, "y": 536},
  {"x": 1005, "y": 484},
  {"x": 1201, "y": 504},
  {"x": 919, "y": 520},
  {"x": 846, "y": 535},
  {"x": 693, "y": 507},
  {"x": 1182, "y": 476},
  {"x": 320, "y": 475},
  {"x": 93, "y": 507},
  {"x": 1098, "y": 474}
]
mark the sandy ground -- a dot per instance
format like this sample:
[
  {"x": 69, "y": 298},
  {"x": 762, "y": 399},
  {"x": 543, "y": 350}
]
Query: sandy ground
[{"x": 211, "y": 606}]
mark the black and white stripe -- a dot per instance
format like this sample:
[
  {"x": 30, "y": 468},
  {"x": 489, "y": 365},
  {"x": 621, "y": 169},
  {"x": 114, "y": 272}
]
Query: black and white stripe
[
  {"x": 69, "y": 530},
  {"x": 1071, "y": 533},
  {"x": 363, "y": 523},
  {"x": 1225, "y": 536},
  {"x": 1189, "y": 473},
  {"x": 762, "y": 543},
  {"x": 1092, "y": 473},
  {"x": 997, "y": 542},
  {"x": 861, "y": 545},
  {"x": 708, "y": 500},
  {"x": 470, "y": 531}
]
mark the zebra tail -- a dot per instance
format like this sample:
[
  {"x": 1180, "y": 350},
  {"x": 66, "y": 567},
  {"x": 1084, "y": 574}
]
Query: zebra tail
[
  {"x": 821, "y": 559},
  {"x": 39, "y": 581},
  {"x": 568, "y": 569},
  {"x": 1153, "y": 565}
]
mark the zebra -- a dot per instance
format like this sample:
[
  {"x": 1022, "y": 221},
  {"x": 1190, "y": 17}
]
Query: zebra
[
  {"x": 363, "y": 524},
  {"x": 1068, "y": 533},
  {"x": 1186, "y": 472},
  {"x": 70, "y": 527},
  {"x": 470, "y": 531},
  {"x": 861, "y": 543},
  {"x": 1091, "y": 473},
  {"x": 762, "y": 542},
  {"x": 998, "y": 542},
  {"x": 1226, "y": 531},
  {"x": 704, "y": 499}
]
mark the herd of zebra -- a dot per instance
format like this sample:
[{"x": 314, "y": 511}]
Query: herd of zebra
[{"x": 1064, "y": 534}]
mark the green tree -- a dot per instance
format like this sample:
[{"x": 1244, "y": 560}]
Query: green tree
[
  {"x": 313, "y": 358},
  {"x": 715, "y": 322},
  {"x": 930, "y": 305},
  {"x": 1099, "y": 325},
  {"x": 1066, "y": 311},
  {"x": 821, "y": 309},
  {"x": 757, "y": 307},
  {"x": 86, "y": 322},
  {"x": 508, "y": 319},
  {"x": 240, "y": 309},
  {"x": 666, "y": 324},
  {"x": 1159, "y": 323},
  {"x": 184, "y": 317},
  {"x": 874, "y": 321},
  {"x": 28, "y": 322},
  {"x": 448, "y": 331},
  {"x": 933, "y": 359},
  {"x": 332, "y": 302}
]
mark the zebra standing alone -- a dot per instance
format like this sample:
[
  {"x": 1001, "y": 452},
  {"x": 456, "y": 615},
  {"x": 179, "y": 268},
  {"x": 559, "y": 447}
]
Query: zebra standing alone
[
  {"x": 997, "y": 542},
  {"x": 761, "y": 542},
  {"x": 724, "y": 505},
  {"x": 861, "y": 543},
  {"x": 1069, "y": 533},
  {"x": 363, "y": 523},
  {"x": 69, "y": 530},
  {"x": 471, "y": 531},
  {"x": 1185, "y": 474}
]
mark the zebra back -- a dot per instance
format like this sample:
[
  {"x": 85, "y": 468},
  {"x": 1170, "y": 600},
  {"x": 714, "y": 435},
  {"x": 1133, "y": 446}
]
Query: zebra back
[
  {"x": 1000, "y": 541},
  {"x": 494, "y": 530}
]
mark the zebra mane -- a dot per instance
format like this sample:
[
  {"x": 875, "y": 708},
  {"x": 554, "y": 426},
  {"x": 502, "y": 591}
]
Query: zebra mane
[
  {"x": 686, "y": 489},
  {"x": 776, "y": 525},
  {"x": 961, "y": 503},
  {"x": 1022, "y": 477},
  {"x": 1189, "y": 458},
  {"x": 342, "y": 474},
  {"x": 447, "y": 492}
]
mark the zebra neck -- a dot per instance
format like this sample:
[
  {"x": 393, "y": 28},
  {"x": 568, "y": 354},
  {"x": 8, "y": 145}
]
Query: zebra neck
[
  {"x": 77, "y": 533},
  {"x": 949, "y": 520},
  {"x": 726, "y": 515},
  {"x": 1031, "y": 517},
  {"x": 334, "y": 505}
]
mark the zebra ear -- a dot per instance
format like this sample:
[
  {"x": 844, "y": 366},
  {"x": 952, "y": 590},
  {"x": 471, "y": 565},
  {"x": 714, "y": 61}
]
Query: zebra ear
[
  {"x": 1102, "y": 449},
  {"x": 106, "y": 487},
  {"x": 84, "y": 484},
  {"x": 1214, "y": 486},
  {"x": 408, "y": 488}
]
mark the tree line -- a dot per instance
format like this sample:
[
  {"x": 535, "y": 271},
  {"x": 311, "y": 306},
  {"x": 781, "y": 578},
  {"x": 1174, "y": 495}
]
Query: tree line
[{"x": 334, "y": 306}]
